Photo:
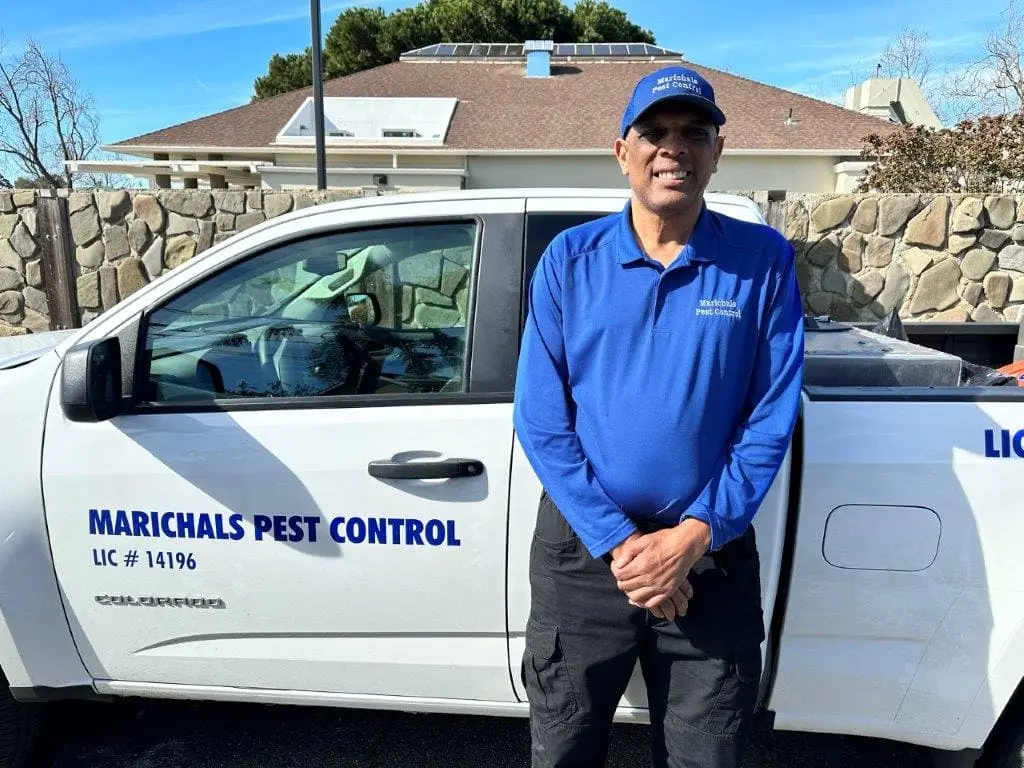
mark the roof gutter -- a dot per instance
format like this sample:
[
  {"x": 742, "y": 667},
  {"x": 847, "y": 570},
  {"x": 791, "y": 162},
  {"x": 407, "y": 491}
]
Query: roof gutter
[{"x": 383, "y": 150}]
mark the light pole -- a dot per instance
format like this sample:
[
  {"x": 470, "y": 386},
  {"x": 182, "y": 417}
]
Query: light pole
[{"x": 318, "y": 97}]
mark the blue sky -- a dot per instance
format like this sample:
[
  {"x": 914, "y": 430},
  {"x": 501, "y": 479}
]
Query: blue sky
[{"x": 152, "y": 64}]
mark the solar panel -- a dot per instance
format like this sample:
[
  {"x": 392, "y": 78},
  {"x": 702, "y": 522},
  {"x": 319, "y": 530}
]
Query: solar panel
[{"x": 517, "y": 50}]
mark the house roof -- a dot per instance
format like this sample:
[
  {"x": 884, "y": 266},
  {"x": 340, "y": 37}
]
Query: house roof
[{"x": 578, "y": 108}]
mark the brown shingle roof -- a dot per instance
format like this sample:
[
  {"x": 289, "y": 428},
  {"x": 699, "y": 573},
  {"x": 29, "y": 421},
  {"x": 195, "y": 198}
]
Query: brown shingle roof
[{"x": 579, "y": 108}]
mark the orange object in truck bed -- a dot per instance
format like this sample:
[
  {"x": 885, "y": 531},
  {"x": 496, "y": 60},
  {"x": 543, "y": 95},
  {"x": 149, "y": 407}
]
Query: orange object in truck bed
[{"x": 1015, "y": 369}]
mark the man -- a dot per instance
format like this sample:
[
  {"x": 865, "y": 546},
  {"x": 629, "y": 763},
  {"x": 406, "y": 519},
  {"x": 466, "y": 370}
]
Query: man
[{"x": 657, "y": 390}]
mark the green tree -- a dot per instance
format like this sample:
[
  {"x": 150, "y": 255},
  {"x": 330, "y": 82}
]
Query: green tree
[
  {"x": 596, "y": 21},
  {"x": 353, "y": 42},
  {"x": 285, "y": 73},
  {"x": 362, "y": 38}
]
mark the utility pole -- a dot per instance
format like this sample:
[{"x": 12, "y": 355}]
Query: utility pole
[{"x": 318, "y": 97}]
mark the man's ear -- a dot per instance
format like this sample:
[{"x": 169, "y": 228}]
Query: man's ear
[
  {"x": 719, "y": 146},
  {"x": 622, "y": 155}
]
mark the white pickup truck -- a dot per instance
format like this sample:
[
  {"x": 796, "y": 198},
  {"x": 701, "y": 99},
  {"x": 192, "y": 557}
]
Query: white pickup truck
[{"x": 286, "y": 472}]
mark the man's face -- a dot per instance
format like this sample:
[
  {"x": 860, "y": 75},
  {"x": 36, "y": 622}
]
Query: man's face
[{"x": 669, "y": 156}]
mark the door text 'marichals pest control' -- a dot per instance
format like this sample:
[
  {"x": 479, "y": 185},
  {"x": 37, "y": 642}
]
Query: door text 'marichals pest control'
[{"x": 401, "y": 531}]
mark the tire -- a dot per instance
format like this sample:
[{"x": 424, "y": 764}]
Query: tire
[
  {"x": 20, "y": 727},
  {"x": 1005, "y": 747}
]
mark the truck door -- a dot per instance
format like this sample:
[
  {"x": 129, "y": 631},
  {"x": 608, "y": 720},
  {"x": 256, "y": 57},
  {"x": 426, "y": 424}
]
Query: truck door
[
  {"x": 546, "y": 217},
  {"x": 311, "y": 494}
]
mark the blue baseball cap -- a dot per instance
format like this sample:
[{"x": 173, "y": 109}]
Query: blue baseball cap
[{"x": 676, "y": 83}]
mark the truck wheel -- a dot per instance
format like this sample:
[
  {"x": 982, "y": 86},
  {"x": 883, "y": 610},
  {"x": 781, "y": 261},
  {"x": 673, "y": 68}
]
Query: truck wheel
[
  {"x": 1005, "y": 746},
  {"x": 20, "y": 725}
]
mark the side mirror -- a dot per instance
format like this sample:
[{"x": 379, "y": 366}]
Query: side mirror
[
  {"x": 363, "y": 308},
  {"x": 90, "y": 384}
]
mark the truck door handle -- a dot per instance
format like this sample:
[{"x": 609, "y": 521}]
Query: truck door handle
[{"x": 425, "y": 470}]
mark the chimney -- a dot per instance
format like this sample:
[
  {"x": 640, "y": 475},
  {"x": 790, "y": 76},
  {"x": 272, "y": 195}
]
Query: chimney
[{"x": 538, "y": 57}]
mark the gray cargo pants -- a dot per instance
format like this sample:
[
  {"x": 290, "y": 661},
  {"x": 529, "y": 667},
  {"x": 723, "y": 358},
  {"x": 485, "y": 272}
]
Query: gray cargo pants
[{"x": 583, "y": 640}]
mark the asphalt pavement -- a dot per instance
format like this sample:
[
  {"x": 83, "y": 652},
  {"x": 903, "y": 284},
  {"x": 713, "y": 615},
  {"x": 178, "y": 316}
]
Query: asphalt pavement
[{"x": 167, "y": 734}]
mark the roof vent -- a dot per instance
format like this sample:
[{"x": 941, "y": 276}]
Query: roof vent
[{"x": 538, "y": 57}]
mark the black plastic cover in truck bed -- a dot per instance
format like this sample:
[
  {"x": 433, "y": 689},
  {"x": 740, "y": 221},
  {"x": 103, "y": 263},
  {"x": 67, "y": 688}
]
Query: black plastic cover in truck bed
[{"x": 838, "y": 355}]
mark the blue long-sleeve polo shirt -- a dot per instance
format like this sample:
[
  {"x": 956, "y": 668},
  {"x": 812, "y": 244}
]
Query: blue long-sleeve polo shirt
[{"x": 652, "y": 392}]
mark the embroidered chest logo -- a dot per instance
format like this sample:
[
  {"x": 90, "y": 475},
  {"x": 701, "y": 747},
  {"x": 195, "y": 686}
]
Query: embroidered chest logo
[{"x": 719, "y": 308}]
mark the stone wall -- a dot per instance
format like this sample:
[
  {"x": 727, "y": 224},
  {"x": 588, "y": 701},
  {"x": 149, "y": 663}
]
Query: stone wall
[
  {"x": 124, "y": 239},
  {"x": 22, "y": 300},
  {"x": 942, "y": 258},
  {"x": 952, "y": 258}
]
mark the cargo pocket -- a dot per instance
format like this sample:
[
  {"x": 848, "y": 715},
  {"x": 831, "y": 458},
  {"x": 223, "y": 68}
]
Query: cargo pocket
[
  {"x": 551, "y": 529},
  {"x": 547, "y": 677},
  {"x": 734, "y": 705}
]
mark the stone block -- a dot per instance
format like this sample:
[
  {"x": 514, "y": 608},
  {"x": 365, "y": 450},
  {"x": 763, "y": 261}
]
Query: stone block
[
  {"x": 277, "y": 204},
  {"x": 138, "y": 236},
  {"x": 85, "y": 226},
  {"x": 35, "y": 300},
  {"x": 89, "y": 290},
  {"x": 977, "y": 264},
  {"x": 937, "y": 287},
  {"x": 115, "y": 240},
  {"x": 180, "y": 225},
  {"x": 37, "y": 322},
  {"x": 34, "y": 273},
  {"x": 867, "y": 287},
  {"x": 959, "y": 243},
  {"x": 1001, "y": 211},
  {"x": 1012, "y": 257},
  {"x": 11, "y": 280},
  {"x": 894, "y": 211},
  {"x": 23, "y": 242},
  {"x": 972, "y": 294},
  {"x": 229, "y": 202},
  {"x": 113, "y": 206},
  {"x": 180, "y": 249},
  {"x": 148, "y": 208},
  {"x": 797, "y": 223},
  {"x": 866, "y": 217},
  {"x": 929, "y": 226},
  {"x": 878, "y": 252},
  {"x": 153, "y": 258},
  {"x": 994, "y": 239},
  {"x": 968, "y": 217},
  {"x": 189, "y": 203},
  {"x": 917, "y": 260},
  {"x": 831, "y": 213},
  {"x": 983, "y": 313},
  {"x": 824, "y": 252},
  {"x": 7, "y": 224},
  {"x": 108, "y": 286},
  {"x": 250, "y": 219},
  {"x": 997, "y": 289}
]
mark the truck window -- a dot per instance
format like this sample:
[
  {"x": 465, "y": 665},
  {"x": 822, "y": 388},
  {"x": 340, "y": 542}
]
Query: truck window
[
  {"x": 541, "y": 229},
  {"x": 378, "y": 311}
]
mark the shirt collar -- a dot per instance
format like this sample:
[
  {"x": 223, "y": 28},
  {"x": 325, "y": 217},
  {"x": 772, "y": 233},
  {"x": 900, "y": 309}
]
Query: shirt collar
[{"x": 702, "y": 247}]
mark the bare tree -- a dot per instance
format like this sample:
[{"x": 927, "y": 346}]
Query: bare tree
[
  {"x": 908, "y": 55},
  {"x": 994, "y": 83},
  {"x": 46, "y": 119}
]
